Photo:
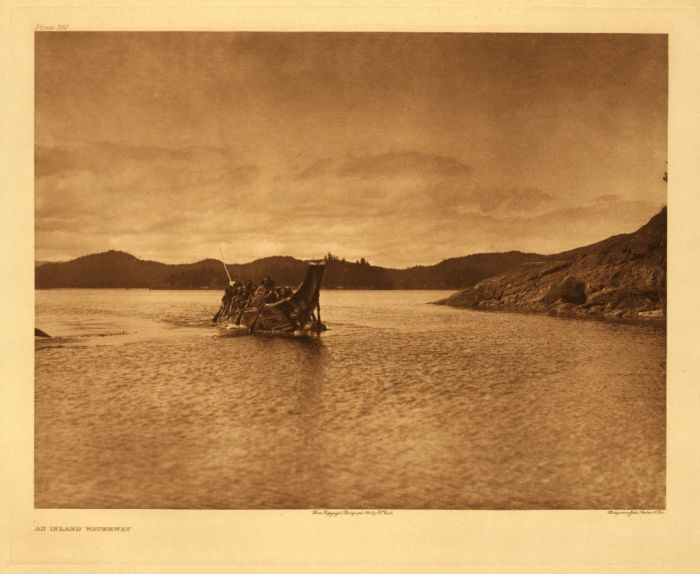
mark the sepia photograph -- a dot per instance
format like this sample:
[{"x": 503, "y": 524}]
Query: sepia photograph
[{"x": 350, "y": 270}]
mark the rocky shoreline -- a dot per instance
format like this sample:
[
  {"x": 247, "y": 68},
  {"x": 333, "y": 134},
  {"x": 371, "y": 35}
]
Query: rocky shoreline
[
  {"x": 654, "y": 317},
  {"x": 621, "y": 278}
]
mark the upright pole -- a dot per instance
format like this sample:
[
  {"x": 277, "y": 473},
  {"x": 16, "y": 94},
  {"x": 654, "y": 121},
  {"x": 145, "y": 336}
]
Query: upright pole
[{"x": 222, "y": 261}]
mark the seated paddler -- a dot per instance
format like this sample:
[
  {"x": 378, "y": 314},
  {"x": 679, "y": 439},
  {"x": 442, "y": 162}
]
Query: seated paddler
[
  {"x": 230, "y": 295},
  {"x": 269, "y": 286},
  {"x": 226, "y": 300}
]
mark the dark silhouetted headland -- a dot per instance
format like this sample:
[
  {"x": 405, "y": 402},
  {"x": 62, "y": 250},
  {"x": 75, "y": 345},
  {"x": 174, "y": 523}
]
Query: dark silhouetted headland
[
  {"x": 621, "y": 277},
  {"x": 116, "y": 269}
]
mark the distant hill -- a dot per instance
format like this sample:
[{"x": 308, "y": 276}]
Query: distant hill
[
  {"x": 121, "y": 270},
  {"x": 623, "y": 276},
  {"x": 459, "y": 271},
  {"x": 110, "y": 269}
]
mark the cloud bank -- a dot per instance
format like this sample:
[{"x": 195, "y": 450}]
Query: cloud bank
[
  {"x": 402, "y": 148},
  {"x": 394, "y": 208}
]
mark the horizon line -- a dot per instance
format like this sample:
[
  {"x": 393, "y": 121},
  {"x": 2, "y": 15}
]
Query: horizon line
[{"x": 303, "y": 260}]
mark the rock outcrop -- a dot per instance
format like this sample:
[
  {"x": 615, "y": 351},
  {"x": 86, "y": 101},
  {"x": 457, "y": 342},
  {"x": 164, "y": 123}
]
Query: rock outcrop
[{"x": 622, "y": 277}]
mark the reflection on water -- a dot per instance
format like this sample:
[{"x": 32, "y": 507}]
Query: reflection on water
[{"x": 142, "y": 403}]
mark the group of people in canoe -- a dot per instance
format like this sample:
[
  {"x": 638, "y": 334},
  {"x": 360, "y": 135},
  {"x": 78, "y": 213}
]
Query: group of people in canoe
[{"x": 238, "y": 295}]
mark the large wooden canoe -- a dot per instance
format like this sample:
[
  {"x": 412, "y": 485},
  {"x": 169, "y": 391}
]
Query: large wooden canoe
[{"x": 296, "y": 315}]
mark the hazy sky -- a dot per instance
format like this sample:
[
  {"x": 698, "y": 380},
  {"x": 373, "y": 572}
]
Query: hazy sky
[{"x": 400, "y": 148}]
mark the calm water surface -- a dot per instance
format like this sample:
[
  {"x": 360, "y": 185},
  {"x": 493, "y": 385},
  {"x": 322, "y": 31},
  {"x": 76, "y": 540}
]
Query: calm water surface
[{"x": 142, "y": 403}]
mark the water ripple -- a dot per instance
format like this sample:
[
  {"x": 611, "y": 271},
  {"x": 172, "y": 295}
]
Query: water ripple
[{"x": 400, "y": 404}]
